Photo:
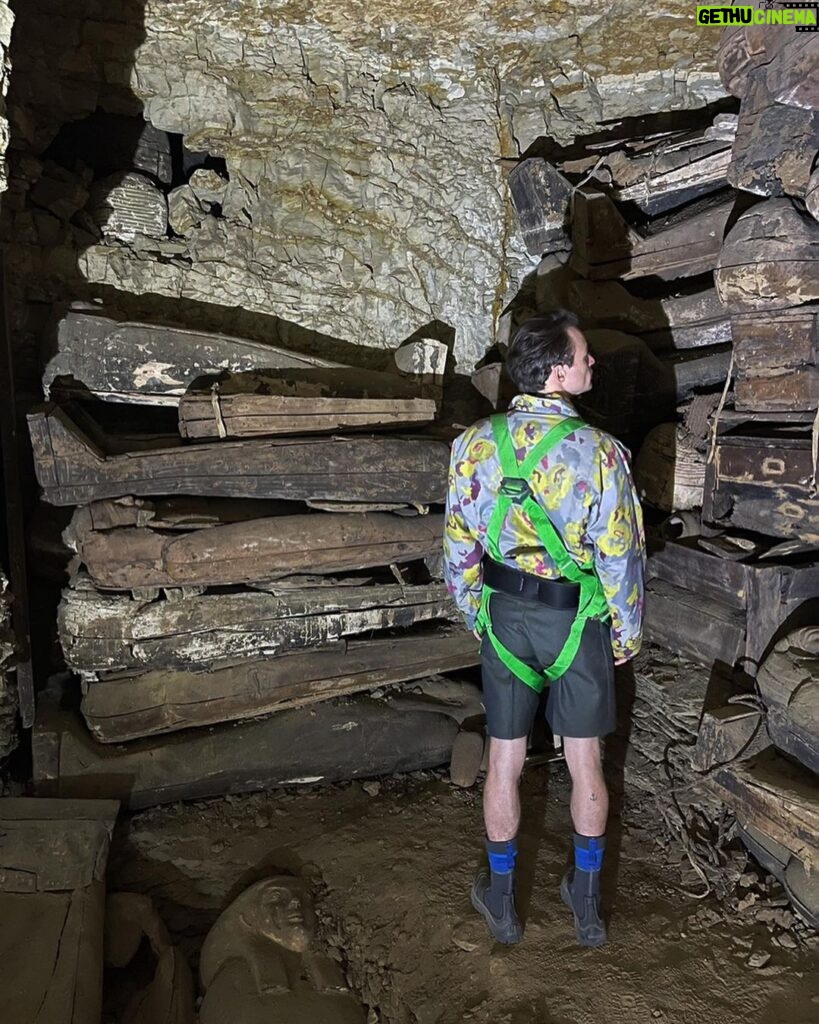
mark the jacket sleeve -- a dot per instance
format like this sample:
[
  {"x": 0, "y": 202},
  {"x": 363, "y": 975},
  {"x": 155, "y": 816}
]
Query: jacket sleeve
[
  {"x": 462, "y": 550},
  {"x": 616, "y": 531}
]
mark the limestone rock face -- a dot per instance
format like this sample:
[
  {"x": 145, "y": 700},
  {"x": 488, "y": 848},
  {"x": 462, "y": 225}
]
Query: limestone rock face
[{"x": 363, "y": 142}]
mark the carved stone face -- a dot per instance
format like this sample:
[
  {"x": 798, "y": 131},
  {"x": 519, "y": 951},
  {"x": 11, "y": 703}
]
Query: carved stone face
[{"x": 282, "y": 913}]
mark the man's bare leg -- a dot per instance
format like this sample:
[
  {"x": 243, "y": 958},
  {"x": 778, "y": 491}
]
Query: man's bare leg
[
  {"x": 501, "y": 795},
  {"x": 590, "y": 797},
  {"x": 580, "y": 887},
  {"x": 493, "y": 895}
]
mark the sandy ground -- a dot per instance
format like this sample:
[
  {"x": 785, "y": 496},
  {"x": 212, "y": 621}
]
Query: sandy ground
[{"x": 391, "y": 866}]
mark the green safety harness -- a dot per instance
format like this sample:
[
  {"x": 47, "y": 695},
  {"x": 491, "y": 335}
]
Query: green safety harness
[{"x": 515, "y": 489}]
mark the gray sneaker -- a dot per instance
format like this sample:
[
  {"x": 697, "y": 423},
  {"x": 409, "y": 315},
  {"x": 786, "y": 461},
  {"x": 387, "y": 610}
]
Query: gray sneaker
[
  {"x": 506, "y": 927},
  {"x": 589, "y": 926}
]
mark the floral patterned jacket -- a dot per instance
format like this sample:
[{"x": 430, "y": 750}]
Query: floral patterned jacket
[{"x": 584, "y": 485}]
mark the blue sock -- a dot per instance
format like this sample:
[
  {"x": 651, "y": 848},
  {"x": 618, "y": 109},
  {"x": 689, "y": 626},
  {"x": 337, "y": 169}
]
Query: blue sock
[
  {"x": 588, "y": 853},
  {"x": 502, "y": 859}
]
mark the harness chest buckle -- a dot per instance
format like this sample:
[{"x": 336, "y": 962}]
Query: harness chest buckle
[{"x": 516, "y": 488}]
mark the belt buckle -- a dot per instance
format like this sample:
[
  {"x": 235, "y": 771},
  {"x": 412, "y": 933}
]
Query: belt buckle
[{"x": 515, "y": 488}]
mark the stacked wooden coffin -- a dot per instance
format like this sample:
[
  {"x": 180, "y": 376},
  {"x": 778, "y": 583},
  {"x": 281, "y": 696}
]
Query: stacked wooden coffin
[
  {"x": 282, "y": 550},
  {"x": 631, "y": 230}
]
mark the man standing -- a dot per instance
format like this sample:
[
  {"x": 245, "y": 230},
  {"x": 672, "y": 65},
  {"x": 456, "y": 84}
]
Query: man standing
[{"x": 544, "y": 556}]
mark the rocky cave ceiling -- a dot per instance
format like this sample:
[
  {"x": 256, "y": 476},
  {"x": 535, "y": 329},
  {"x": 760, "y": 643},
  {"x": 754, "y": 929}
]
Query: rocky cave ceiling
[{"x": 364, "y": 141}]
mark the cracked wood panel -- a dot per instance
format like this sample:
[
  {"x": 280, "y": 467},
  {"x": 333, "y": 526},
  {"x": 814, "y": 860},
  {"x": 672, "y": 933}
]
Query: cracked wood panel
[
  {"x": 263, "y": 549},
  {"x": 762, "y": 484},
  {"x": 105, "y": 632},
  {"x": 606, "y": 246},
  {"x": 122, "y": 708},
  {"x": 333, "y": 741},
  {"x": 72, "y": 469}
]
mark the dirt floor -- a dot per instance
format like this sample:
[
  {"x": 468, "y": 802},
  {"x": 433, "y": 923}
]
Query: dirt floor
[{"x": 391, "y": 864}]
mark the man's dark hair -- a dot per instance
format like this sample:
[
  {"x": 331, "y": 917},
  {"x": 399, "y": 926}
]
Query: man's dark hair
[{"x": 538, "y": 346}]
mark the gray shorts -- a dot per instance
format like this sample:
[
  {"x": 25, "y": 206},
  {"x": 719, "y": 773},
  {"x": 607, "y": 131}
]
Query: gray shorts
[{"x": 580, "y": 704}]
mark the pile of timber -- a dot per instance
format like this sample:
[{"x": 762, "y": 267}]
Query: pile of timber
[
  {"x": 630, "y": 234},
  {"x": 761, "y": 477},
  {"x": 282, "y": 550}
]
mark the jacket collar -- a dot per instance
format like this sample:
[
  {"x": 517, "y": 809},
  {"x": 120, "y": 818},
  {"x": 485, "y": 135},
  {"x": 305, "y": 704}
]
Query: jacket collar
[{"x": 543, "y": 405}]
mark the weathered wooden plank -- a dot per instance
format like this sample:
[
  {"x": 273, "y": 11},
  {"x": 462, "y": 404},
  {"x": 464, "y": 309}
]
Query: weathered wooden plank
[
  {"x": 222, "y": 414},
  {"x": 770, "y": 259},
  {"x": 606, "y": 247},
  {"x": 684, "y": 564},
  {"x": 149, "y": 363},
  {"x": 777, "y": 797},
  {"x": 247, "y": 552},
  {"x": 727, "y": 733},
  {"x": 53, "y": 845},
  {"x": 127, "y": 707},
  {"x": 330, "y": 742},
  {"x": 776, "y": 359},
  {"x": 670, "y": 174},
  {"x": 765, "y": 591},
  {"x": 672, "y": 322},
  {"x": 789, "y": 390},
  {"x": 73, "y": 470},
  {"x": 762, "y": 484},
  {"x": 692, "y": 625},
  {"x": 775, "y": 145},
  {"x": 541, "y": 197},
  {"x": 105, "y": 632},
  {"x": 766, "y": 342}
]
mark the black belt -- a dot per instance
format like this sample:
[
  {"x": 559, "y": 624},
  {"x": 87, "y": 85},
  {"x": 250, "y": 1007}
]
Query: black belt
[{"x": 555, "y": 593}]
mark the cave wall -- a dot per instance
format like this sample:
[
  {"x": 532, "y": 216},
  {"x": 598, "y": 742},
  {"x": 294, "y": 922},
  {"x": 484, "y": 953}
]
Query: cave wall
[
  {"x": 364, "y": 145},
  {"x": 8, "y": 695}
]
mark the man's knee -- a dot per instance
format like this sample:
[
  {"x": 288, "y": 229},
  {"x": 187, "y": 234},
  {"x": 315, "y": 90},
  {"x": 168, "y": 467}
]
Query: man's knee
[
  {"x": 583, "y": 755},
  {"x": 506, "y": 758}
]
